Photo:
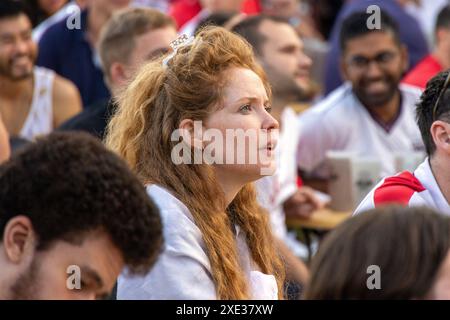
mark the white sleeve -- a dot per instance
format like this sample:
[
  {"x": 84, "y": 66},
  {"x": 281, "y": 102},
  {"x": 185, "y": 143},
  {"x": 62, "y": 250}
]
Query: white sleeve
[
  {"x": 182, "y": 271},
  {"x": 366, "y": 204},
  {"x": 174, "y": 277},
  {"x": 314, "y": 142}
]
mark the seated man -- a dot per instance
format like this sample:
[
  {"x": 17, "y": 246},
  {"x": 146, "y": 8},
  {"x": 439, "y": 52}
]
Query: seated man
[
  {"x": 128, "y": 40},
  {"x": 371, "y": 114},
  {"x": 72, "y": 215},
  {"x": 409, "y": 32},
  {"x": 429, "y": 185},
  {"x": 33, "y": 100}
]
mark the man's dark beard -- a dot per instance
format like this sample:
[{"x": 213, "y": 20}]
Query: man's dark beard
[
  {"x": 5, "y": 71},
  {"x": 25, "y": 287},
  {"x": 374, "y": 101},
  {"x": 284, "y": 86}
]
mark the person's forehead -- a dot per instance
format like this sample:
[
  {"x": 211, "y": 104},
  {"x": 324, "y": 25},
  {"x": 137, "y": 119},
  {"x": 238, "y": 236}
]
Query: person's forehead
[
  {"x": 15, "y": 24},
  {"x": 242, "y": 82},
  {"x": 156, "y": 38},
  {"x": 279, "y": 33},
  {"x": 370, "y": 43}
]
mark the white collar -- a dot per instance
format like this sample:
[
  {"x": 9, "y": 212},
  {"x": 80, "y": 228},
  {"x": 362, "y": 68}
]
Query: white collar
[{"x": 426, "y": 177}]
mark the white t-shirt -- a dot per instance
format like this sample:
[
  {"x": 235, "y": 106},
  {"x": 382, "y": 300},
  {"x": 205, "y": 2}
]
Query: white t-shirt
[
  {"x": 410, "y": 189},
  {"x": 39, "y": 120},
  {"x": 341, "y": 123},
  {"x": 183, "y": 271}
]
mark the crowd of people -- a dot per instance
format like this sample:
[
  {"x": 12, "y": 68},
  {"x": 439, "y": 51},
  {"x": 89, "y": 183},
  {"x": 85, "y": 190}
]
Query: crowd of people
[{"x": 155, "y": 149}]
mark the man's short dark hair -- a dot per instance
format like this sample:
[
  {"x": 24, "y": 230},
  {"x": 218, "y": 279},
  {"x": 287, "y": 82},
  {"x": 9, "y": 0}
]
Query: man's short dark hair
[
  {"x": 355, "y": 25},
  {"x": 218, "y": 19},
  {"x": 249, "y": 30},
  {"x": 424, "y": 109},
  {"x": 443, "y": 18},
  {"x": 13, "y": 8},
  {"x": 68, "y": 184}
]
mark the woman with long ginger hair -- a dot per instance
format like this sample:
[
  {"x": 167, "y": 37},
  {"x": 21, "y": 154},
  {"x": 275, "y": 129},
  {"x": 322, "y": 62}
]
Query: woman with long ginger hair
[{"x": 218, "y": 240}]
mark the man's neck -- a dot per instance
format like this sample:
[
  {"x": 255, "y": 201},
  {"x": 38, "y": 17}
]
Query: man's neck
[
  {"x": 12, "y": 89},
  {"x": 388, "y": 112},
  {"x": 442, "y": 57},
  {"x": 96, "y": 19},
  {"x": 441, "y": 175}
]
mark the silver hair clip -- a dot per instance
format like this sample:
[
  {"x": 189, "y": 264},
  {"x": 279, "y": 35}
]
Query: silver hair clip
[{"x": 176, "y": 44}]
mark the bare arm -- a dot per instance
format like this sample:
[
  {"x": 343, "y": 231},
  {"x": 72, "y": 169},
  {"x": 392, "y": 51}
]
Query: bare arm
[
  {"x": 4, "y": 142},
  {"x": 66, "y": 100}
]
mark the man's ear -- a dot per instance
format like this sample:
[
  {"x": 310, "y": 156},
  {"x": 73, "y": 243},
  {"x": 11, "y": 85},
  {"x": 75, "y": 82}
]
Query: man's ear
[
  {"x": 192, "y": 133},
  {"x": 405, "y": 57},
  {"x": 440, "y": 131},
  {"x": 118, "y": 74},
  {"x": 18, "y": 239},
  {"x": 343, "y": 68}
]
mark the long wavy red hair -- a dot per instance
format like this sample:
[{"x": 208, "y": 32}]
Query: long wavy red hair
[{"x": 151, "y": 108}]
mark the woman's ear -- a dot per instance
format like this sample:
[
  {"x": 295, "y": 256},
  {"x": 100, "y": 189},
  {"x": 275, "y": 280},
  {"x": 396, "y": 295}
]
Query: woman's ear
[
  {"x": 18, "y": 239},
  {"x": 440, "y": 131},
  {"x": 192, "y": 133}
]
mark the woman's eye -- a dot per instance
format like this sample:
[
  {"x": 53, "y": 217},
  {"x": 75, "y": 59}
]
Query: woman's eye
[
  {"x": 268, "y": 109},
  {"x": 245, "y": 108}
]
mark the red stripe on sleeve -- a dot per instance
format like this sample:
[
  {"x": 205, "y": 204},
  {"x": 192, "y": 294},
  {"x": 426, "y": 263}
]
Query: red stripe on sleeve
[{"x": 397, "y": 189}]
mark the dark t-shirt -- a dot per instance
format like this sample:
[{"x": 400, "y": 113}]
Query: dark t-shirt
[
  {"x": 93, "y": 119},
  {"x": 68, "y": 53}
]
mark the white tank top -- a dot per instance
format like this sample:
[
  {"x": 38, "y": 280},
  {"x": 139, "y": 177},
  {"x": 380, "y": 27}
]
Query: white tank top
[{"x": 40, "y": 118}]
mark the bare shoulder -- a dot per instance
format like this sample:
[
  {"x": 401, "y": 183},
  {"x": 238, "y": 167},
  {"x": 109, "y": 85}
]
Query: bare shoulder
[{"x": 64, "y": 89}]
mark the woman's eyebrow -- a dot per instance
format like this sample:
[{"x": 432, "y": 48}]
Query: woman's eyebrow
[{"x": 252, "y": 99}]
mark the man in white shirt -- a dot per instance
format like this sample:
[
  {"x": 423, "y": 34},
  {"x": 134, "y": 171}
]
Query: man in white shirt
[
  {"x": 371, "y": 114},
  {"x": 279, "y": 50},
  {"x": 429, "y": 185},
  {"x": 33, "y": 100}
]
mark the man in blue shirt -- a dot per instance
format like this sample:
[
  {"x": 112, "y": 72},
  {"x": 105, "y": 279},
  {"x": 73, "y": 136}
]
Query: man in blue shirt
[
  {"x": 410, "y": 34},
  {"x": 71, "y": 51}
]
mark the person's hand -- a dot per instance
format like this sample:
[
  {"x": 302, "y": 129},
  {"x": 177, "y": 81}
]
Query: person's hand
[{"x": 302, "y": 204}]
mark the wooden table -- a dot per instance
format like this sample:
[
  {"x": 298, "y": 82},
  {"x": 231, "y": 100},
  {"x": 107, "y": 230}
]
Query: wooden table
[
  {"x": 325, "y": 219},
  {"x": 321, "y": 221}
]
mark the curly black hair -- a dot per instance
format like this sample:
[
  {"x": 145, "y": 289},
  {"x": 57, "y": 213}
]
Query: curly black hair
[
  {"x": 68, "y": 184},
  {"x": 424, "y": 109}
]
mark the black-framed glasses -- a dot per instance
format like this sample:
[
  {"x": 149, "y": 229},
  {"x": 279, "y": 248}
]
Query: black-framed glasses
[
  {"x": 382, "y": 59},
  {"x": 441, "y": 93}
]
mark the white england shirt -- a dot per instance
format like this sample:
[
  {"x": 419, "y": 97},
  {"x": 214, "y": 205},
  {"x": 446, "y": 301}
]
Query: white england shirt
[
  {"x": 341, "y": 123},
  {"x": 183, "y": 271},
  {"x": 410, "y": 189}
]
